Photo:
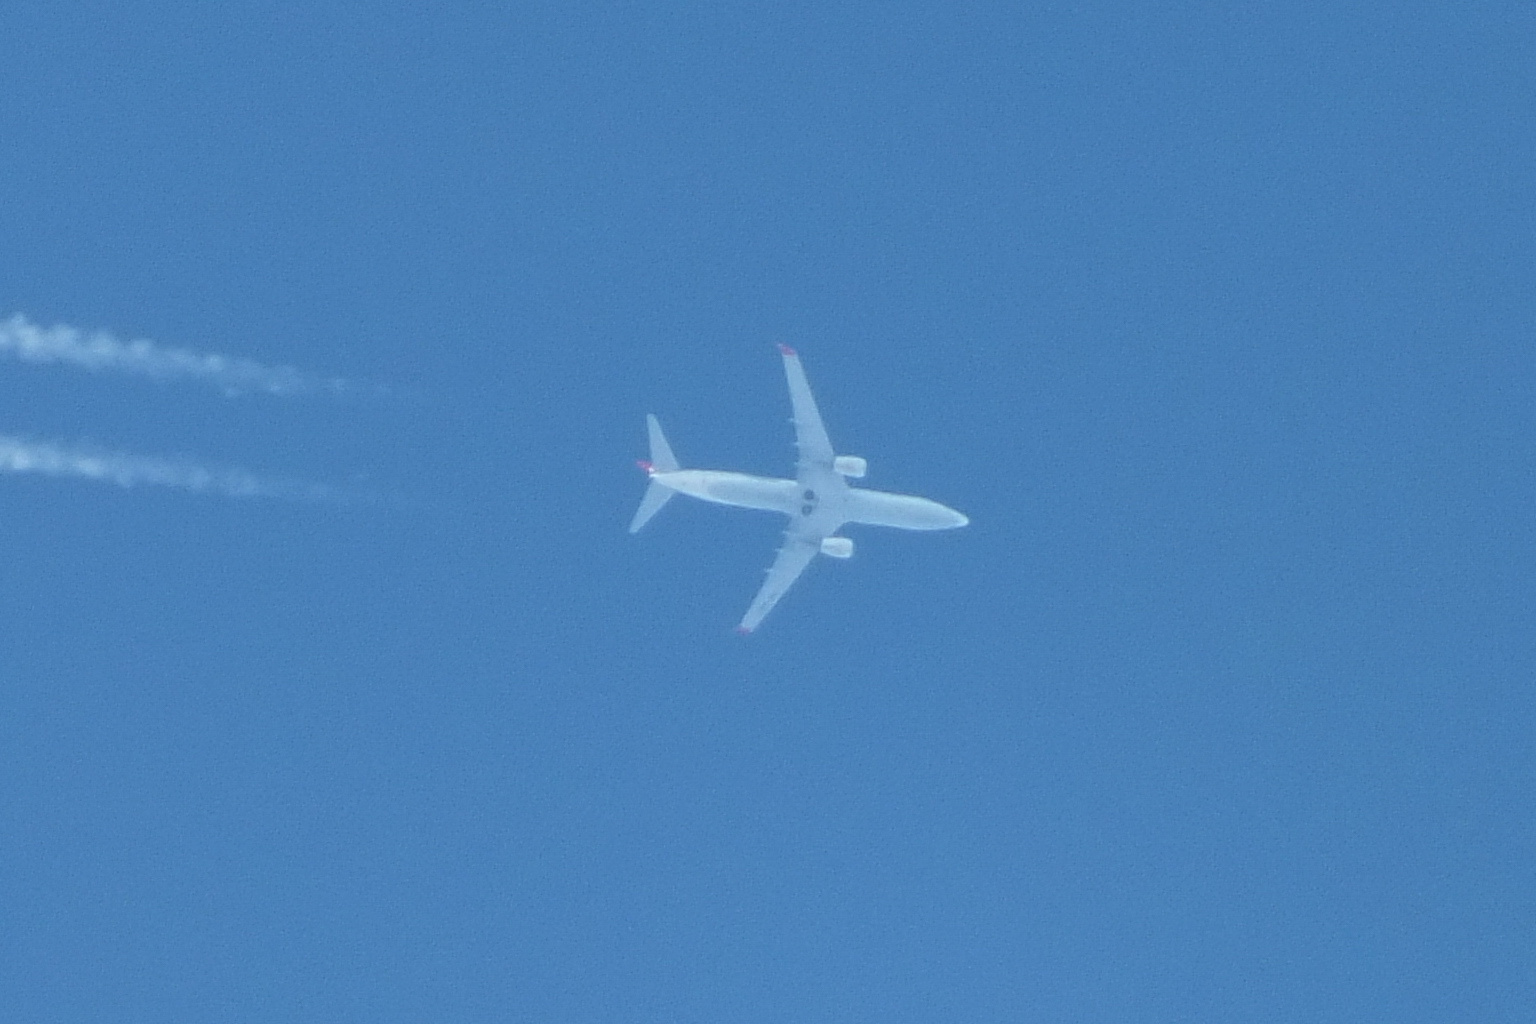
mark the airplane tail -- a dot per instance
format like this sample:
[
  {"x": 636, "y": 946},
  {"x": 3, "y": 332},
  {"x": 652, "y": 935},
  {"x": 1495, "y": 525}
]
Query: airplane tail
[{"x": 662, "y": 461}]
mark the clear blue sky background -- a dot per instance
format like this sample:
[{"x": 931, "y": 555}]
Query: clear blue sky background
[{"x": 1216, "y": 319}]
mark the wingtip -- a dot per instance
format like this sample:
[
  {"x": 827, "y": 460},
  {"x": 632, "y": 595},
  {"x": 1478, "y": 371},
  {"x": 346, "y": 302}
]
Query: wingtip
[
  {"x": 786, "y": 350},
  {"x": 743, "y": 630}
]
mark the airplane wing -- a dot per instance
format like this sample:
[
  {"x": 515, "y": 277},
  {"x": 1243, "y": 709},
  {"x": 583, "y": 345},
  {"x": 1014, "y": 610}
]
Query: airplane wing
[
  {"x": 798, "y": 551},
  {"x": 810, "y": 435}
]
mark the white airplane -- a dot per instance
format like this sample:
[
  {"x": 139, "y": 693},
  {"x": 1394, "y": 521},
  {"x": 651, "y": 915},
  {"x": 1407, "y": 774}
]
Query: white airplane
[{"x": 818, "y": 501}]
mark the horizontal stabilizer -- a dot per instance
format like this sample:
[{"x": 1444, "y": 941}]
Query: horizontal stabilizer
[
  {"x": 655, "y": 497},
  {"x": 662, "y": 459}
]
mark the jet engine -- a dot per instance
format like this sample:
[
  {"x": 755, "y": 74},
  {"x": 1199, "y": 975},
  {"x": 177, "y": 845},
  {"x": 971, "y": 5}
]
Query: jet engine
[
  {"x": 837, "y": 547},
  {"x": 850, "y": 465}
]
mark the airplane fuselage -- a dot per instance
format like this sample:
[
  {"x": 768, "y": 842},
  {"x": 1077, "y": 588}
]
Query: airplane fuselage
[{"x": 828, "y": 506}]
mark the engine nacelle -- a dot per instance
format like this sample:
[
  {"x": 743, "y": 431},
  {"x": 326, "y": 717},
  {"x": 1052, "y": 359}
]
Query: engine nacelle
[
  {"x": 850, "y": 465},
  {"x": 837, "y": 547}
]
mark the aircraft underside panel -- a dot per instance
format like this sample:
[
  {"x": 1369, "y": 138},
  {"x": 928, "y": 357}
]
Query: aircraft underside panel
[{"x": 745, "y": 491}]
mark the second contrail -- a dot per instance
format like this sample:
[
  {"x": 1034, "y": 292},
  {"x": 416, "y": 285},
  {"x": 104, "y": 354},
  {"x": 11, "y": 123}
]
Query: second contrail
[{"x": 49, "y": 458}]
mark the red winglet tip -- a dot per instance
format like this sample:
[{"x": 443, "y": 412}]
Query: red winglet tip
[
  {"x": 786, "y": 350},
  {"x": 645, "y": 465},
  {"x": 743, "y": 631}
]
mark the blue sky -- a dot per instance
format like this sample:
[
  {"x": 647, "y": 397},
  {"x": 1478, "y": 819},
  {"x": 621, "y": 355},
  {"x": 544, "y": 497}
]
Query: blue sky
[{"x": 1217, "y": 322}]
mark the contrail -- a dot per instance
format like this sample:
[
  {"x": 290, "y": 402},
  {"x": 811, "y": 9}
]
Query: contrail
[
  {"x": 21, "y": 339},
  {"x": 52, "y": 459}
]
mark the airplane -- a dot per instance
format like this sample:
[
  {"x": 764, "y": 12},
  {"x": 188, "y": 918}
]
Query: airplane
[{"x": 818, "y": 501}]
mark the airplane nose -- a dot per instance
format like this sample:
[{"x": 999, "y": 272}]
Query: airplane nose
[{"x": 958, "y": 519}]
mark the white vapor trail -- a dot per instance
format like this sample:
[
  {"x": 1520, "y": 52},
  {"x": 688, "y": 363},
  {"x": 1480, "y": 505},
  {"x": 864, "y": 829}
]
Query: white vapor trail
[
  {"x": 21, "y": 339},
  {"x": 52, "y": 459}
]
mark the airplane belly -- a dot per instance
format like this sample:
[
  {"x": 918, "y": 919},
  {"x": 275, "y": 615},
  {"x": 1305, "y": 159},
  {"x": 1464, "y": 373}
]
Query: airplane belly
[
  {"x": 746, "y": 491},
  {"x": 739, "y": 489},
  {"x": 902, "y": 511}
]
